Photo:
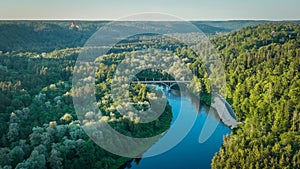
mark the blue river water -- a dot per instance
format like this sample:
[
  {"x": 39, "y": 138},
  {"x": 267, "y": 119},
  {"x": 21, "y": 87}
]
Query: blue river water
[{"x": 189, "y": 153}]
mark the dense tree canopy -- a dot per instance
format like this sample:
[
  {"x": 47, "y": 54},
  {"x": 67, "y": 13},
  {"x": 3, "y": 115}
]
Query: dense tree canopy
[
  {"x": 40, "y": 129},
  {"x": 262, "y": 67}
]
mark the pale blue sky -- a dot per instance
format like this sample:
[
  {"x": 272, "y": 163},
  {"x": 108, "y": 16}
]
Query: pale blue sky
[{"x": 186, "y": 9}]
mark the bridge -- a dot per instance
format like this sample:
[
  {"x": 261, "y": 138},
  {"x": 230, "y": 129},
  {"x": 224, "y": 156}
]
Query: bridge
[{"x": 168, "y": 83}]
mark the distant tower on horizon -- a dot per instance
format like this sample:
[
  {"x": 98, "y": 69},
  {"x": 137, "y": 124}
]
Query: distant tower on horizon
[{"x": 73, "y": 25}]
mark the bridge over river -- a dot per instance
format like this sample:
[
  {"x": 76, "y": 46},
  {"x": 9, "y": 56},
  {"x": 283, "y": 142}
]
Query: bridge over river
[
  {"x": 168, "y": 83},
  {"x": 222, "y": 107}
]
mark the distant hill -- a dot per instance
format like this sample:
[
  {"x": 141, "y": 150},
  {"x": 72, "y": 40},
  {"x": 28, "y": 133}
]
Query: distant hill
[
  {"x": 46, "y": 36},
  {"x": 210, "y": 29},
  {"x": 43, "y": 36},
  {"x": 234, "y": 25}
]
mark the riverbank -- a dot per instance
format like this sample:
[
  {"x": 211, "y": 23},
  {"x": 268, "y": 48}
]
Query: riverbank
[
  {"x": 225, "y": 111},
  {"x": 188, "y": 153}
]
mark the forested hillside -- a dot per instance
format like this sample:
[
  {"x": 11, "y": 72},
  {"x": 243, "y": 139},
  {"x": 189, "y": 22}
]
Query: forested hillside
[
  {"x": 44, "y": 36},
  {"x": 263, "y": 85},
  {"x": 40, "y": 129}
]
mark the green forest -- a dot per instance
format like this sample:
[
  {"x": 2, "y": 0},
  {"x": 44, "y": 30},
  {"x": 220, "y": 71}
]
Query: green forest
[
  {"x": 38, "y": 123},
  {"x": 40, "y": 129},
  {"x": 263, "y": 84}
]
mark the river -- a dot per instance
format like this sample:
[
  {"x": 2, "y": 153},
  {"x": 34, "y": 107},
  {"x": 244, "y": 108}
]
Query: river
[{"x": 189, "y": 153}]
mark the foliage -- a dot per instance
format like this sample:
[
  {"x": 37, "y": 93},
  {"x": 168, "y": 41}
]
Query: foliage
[
  {"x": 262, "y": 67},
  {"x": 39, "y": 127}
]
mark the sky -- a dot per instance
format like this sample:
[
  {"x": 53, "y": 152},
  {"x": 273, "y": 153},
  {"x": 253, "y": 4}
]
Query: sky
[{"x": 115, "y": 9}]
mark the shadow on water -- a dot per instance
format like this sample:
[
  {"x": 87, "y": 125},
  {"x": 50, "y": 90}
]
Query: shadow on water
[{"x": 189, "y": 153}]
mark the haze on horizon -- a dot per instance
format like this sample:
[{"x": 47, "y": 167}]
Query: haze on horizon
[{"x": 114, "y": 9}]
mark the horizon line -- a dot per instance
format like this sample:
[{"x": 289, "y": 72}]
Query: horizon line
[{"x": 191, "y": 20}]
